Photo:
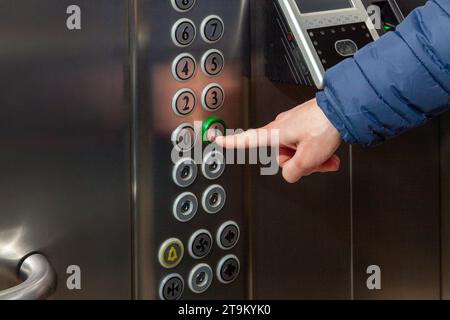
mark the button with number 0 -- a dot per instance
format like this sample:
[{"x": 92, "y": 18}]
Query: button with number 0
[
  {"x": 183, "y": 5},
  {"x": 213, "y": 97},
  {"x": 212, "y": 63},
  {"x": 184, "y": 67},
  {"x": 212, "y": 29},
  {"x": 184, "y": 102},
  {"x": 183, "y": 32}
]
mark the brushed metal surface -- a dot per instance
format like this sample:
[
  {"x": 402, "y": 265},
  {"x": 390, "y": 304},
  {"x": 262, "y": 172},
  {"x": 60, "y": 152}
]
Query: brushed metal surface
[
  {"x": 155, "y": 121},
  {"x": 64, "y": 123},
  {"x": 301, "y": 233},
  {"x": 396, "y": 192}
]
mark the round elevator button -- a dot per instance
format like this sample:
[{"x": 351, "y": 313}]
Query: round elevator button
[
  {"x": 228, "y": 235},
  {"x": 184, "y": 67},
  {"x": 200, "y": 244},
  {"x": 185, "y": 172},
  {"x": 171, "y": 287},
  {"x": 185, "y": 207},
  {"x": 213, "y": 97},
  {"x": 212, "y": 29},
  {"x": 212, "y": 128},
  {"x": 183, "y": 32},
  {"x": 183, "y": 138},
  {"x": 228, "y": 269},
  {"x": 213, "y": 199},
  {"x": 183, "y": 102},
  {"x": 183, "y": 5},
  {"x": 200, "y": 278},
  {"x": 213, "y": 63},
  {"x": 213, "y": 165},
  {"x": 171, "y": 253}
]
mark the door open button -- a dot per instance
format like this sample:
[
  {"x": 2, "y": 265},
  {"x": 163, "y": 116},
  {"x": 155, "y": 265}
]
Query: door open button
[{"x": 228, "y": 235}]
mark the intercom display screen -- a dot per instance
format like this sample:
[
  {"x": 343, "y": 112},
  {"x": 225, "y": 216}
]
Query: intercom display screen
[{"x": 310, "y": 6}]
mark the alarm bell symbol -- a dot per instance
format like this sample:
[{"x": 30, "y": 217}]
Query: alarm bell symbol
[{"x": 173, "y": 256}]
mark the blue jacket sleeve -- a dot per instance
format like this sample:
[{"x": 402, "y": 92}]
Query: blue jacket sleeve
[{"x": 394, "y": 84}]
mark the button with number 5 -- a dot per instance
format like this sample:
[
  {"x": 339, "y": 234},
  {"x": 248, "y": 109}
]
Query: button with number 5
[
  {"x": 212, "y": 63},
  {"x": 184, "y": 67},
  {"x": 183, "y": 32},
  {"x": 213, "y": 97},
  {"x": 184, "y": 102},
  {"x": 212, "y": 29}
]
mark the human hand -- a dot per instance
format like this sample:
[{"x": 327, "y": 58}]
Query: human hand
[{"x": 307, "y": 141}]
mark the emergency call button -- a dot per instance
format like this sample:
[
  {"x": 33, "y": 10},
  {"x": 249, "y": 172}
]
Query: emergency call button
[{"x": 171, "y": 253}]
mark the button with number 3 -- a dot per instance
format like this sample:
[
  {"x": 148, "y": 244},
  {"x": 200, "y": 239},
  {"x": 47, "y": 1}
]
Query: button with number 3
[
  {"x": 212, "y": 29},
  {"x": 184, "y": 67},
  {"x": 184, "y": 102},
  {"x": 183, "y": 32},
  {"x": 212, "y": 63},
  {"x": 213, "y": 97}
]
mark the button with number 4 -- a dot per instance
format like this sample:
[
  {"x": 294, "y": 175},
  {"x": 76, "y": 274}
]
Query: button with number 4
[
  {"x": 212, "y": 29},
  {"x": 184, "y": 67},
  {"x": 183, "y": 32},
  {"x": 184, "y": 102},
  {"x": 183, "y": 5},
  {"x": 212, "y": 63}
]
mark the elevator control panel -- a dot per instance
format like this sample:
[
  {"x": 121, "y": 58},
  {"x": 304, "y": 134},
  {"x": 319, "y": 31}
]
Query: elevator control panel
[
  {"x": 318, "y": 34},
  {"x": 193, "y": 65}
]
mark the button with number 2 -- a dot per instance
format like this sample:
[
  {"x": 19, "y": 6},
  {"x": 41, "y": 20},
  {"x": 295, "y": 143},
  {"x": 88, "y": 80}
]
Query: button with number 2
[{"x": 184, "y": 102}]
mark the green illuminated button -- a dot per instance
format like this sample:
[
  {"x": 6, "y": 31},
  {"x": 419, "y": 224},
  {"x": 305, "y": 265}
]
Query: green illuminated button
[
  {"x": 212, "y": 128},
  {"x": 171, "y": 253}
]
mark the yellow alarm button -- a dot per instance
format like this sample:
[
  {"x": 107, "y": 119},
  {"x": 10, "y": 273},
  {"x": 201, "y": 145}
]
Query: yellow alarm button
[{"x": 171, "y": 253}]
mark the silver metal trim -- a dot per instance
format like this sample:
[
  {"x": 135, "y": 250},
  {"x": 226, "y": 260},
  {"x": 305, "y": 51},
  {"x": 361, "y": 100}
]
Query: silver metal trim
[
  {"x": 221, "y": 229},
  {"x": 163, "y": 248},
  {"x": 205, "y": 164},
  {"x": 39, "y": 280}
]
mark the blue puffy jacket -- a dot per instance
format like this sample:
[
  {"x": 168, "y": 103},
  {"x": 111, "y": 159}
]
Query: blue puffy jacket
[{"x": 394, "y": 84}]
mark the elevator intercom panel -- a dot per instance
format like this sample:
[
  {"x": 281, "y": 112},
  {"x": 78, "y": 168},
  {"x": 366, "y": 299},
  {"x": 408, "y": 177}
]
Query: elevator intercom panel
[{"x": 318, "y": 34}]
